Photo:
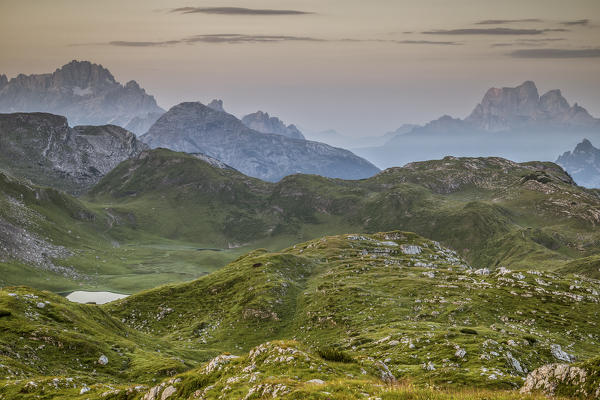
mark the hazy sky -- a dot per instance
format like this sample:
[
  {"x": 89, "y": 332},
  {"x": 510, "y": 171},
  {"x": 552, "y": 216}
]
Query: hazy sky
[{"x": 360, "y": 67}]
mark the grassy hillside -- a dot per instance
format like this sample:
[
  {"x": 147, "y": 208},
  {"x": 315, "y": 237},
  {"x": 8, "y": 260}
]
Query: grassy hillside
[
  {"x": 171, "y": 217},
  {"x": 370, "y": 297},
  {"x": 358, "y": 312},
  {"x": 492, "y": 211},
  {"x": 53, "y": 241}
]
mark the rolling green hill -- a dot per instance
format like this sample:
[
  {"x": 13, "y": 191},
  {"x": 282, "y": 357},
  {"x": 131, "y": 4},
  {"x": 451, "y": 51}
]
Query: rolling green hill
[
  {"x": 50, "y": 240},
  {"x": 492, "y": 211},
  {"x": 358, "y": 312},
  {"x": 167, "y": 217}
]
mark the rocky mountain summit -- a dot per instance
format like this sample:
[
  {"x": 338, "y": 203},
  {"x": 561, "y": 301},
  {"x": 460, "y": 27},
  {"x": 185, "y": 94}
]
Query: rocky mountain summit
[
  {"x": 217, "y": 105},
  {"x": 44, "y": 149},
  {"x": 86, "y": 93},
  {"x": 262, "y": 122},
  {"x": 196, "y": 128},
  {"x": 583, "y": 163},
  {"x": 515, "y": 109},
  {"x": 523, "y": 107},
  {"x": 511, "y": 122}
]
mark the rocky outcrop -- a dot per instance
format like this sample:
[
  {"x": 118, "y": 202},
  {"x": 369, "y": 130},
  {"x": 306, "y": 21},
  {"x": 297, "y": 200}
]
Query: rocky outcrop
[
  {"x": 519, "y": 107},
  {"x": 44, "y": 149},
  {"x": 562, "y": 379},
  {"x": 196, "y": 128},
  {"x": 583, "y": 164},
  {"x": 86, "y": 93},
  {"x": 262, "y": 122},
  {"x": 216, "y": 105}
]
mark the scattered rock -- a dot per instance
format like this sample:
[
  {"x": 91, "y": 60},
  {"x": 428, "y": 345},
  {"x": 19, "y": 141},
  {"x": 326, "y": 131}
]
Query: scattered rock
[
  {"x": 559, "y": 353},
  {"x": 168, "y": 392}
]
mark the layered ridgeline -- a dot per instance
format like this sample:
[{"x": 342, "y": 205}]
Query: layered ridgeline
[
  {"x": 165, "y": 216},
  {"x": 196, "y": 128},
  {"x": 583, "y": 163},
  {"x": 338, "y": 317},
  {"x": 86, "y": 93},
  {"x": 515, "y": 123},
  {"x": 492, "y": 211},
  {"x": 44, "y": 149}
]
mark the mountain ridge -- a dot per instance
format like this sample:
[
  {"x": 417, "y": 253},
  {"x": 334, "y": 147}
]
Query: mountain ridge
[
  {"x": 263, "y": 122},
  {"x": 86, "y": 93},
  {"x": 583, "y": 163},
  {"x": 44, "y": 149},
  {"x": 193, "y": 127},
  {"x": 511, "y": 122},
  {"x": 522, "y": 106}
]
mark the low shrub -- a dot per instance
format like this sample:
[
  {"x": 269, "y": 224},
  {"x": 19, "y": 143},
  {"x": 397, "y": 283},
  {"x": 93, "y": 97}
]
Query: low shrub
[{"x": 333, "y": 354}]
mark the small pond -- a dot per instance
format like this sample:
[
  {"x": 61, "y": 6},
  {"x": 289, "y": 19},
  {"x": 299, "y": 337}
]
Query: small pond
[{"x": 82, "y": 296}]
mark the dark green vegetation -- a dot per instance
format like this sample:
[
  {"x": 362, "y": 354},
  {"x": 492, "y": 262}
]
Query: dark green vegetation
[
  {"x": 164, "y": 216},
  {"x": 355, "y": 312}
]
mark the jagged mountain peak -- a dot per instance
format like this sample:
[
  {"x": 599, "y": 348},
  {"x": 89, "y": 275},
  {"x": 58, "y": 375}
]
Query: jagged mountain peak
[
  {"x": 583, "y": 163},
  {"x": 83, "y": 74},
  {"x": 554, "y": 102},
  {"x": 584, "y": 146},
  {"x": 84, "y": 92},
  {"x": 522, "y": 107},
  {"x": 261, "y": 121},
  {"x": 217, "y": 105},
  {"x": 525, "y": 92},
  {"x": 133, "y": 85}
]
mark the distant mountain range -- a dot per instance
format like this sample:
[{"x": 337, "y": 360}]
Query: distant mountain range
[
  {"x": 583, "y": 164},
  {"x": 515, "y": 123},
  {"x": 44, "y": 149},
  {"x": 523, "y": 108},
  {"x": 85, "y": 93},
  {"x": 196, "y": 128},
  {"x": 334, "y": 138}
]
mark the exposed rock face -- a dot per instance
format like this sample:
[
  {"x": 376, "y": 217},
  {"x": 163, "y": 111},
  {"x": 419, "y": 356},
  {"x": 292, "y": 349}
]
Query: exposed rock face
[
  {"x": 196, "y": 128},
  {"x": 44, "y": 149},
  {"x": 583, "y": 163},
  {"x": 521, "y": 106},
  {"x": 86, "y": 93},
  {"x": 549, "y": 378},
  {"x": 262, "y": 122}
]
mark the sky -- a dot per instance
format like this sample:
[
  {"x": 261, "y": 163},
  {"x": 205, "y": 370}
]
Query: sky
[{"x": 360, "y": 67}]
